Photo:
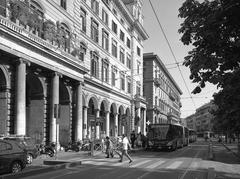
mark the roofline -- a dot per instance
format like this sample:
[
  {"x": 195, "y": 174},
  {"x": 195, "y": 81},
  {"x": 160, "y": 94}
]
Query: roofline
[
  {"x": 152, "y": 55},
  {"x": 131, "y": 19}
]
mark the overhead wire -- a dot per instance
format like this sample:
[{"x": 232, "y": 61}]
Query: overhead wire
[{"x": 169, "y": 46}]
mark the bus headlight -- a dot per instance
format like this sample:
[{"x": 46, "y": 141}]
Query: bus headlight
[{"x": 169, "y": 144}]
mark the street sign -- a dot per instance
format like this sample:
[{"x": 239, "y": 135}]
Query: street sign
[{"x": 148, "y": 123}]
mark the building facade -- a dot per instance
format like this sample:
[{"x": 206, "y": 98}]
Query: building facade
[
  {"x": 161, "y": 91},
  {"x": 191, "y": 122},
  {"x": 68, "y": 69},
  {"x": 204, "y": 119}
]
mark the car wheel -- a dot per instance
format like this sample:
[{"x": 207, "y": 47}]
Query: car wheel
[
  {"x": 29, "y": 158},
  {"x": 16, "y": 167}
]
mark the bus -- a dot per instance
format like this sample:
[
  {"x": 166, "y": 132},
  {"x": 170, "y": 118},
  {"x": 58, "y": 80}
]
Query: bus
[
  {"x": 185, "y": 136},
  {"x": 166, "y": 136},
  {"x": 192, "y": 135}
]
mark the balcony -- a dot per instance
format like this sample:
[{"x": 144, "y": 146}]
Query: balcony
[
  {"x": 157, "y": 82},
  {"x": 18, "y": 18}
]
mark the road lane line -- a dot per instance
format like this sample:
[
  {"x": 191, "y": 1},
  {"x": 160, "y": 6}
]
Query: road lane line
[
  {"x": 174, "y": 165},
  {"x": 154, "y": 165},
  {"x": 140, "y": 163}
]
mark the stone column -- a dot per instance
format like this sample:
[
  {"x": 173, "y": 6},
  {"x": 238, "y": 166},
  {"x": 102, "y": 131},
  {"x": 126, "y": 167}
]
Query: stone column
[
  {"x": 54, "y": 127},
  {"x": 115, "y": 125},
  {"x": 85, "y": 122},
  {"x": 138, "y": 127},
  {"x": 144, "y": 121},
  {"x": 97, "y": 130},
  {"x": 20, "y": 120},
  {"x": 107, "y": 114},
  {"x": 79, "y": 116}
]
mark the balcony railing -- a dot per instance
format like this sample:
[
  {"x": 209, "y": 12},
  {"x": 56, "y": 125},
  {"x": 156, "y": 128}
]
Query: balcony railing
[
  {"x": 20, "y": 18},
  {"x": 171, "y": 96}
]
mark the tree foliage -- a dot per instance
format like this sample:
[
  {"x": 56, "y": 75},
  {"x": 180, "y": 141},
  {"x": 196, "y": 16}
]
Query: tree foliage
[{"x": 212, "y": 27}]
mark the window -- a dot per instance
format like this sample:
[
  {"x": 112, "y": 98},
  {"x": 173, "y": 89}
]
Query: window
[
  {"x": 3, "y": 7},
  {"x": 138, "y": 51},
  {"x": 94, "y": 31},
  {"x": 106, "y": 2},
  {"x": 95, "y": 6},
  {"x": 138, "y": 67},
  {"x": 114, "y": 27},
  {"x": 83, "y": 21},
  {"x": 138, "y": 88},
  {"x": 122, "y": 21},
  {"x": 129, "y": 85},
  {"x": 114, "y": 48},
  {"x": 38, "y": 17},
  {"x": 129, "y": 62},
  {"x": 83, "y": 50},
  {"x": 114, "y": 11},
  {"x": 122, "y": 83},
  {"x": 122, "y": 55},
  {"x": 94, "y": 64},
  {"x": 65, "y": 32},
  {"x": 64, "y": 4},
  {"x": 105, "y": 70},
  {"x": 105, "y": 40},
  {"x": 105, "y": 17},
  {"x": 114, "y": 72},
  {"x": 122, "y": 35},
  {"x": 128, "y": 43}
]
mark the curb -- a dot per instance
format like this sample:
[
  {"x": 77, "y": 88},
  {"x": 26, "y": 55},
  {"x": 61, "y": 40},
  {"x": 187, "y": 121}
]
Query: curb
[
  {"x": 53, "y": 165},
  {"x": 231, "y": 150}
]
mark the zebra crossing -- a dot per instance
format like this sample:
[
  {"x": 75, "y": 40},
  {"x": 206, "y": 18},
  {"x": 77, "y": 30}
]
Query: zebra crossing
[{"x": 149, "y": 164}]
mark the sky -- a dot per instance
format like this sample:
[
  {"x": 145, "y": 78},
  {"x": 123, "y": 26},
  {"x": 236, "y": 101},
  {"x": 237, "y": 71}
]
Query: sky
[{"x": 167, "y": 12}]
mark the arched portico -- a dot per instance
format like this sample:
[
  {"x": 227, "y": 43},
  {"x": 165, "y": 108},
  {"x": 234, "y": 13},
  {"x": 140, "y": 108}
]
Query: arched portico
[
  {"x": 113, "y": 121},
  {"x": 92, "y": 114},
  {"x": 35, "y": 108},
  {"x": 4, "y": 86}
]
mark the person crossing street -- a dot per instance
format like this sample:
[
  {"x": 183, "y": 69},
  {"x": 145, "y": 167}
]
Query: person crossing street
[{"x": 125, "y": 146}]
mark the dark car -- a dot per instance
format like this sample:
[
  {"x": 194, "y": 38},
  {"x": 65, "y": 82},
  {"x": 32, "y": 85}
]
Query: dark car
[
  {"x": 27, "y": 144},
  {"x": 13, "y": 158}
]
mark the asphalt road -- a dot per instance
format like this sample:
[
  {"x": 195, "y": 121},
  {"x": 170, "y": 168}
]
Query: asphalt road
[{"x": 185, "y": 163}]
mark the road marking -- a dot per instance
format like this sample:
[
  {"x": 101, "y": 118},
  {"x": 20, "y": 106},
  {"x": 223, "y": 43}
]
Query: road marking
[
  {"x": 119, "y": 163},
  {"x": 194, "y": 165},
  {"x": 154, "y": 165},
  {"x": 140, "y": 163},
  {"x": 174, "y": 165}
]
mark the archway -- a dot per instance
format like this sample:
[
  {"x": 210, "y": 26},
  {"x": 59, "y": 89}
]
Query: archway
[
  {"x": 65, "y": 119},
  {"x": 102, "y": 121},
  {"x": 35, "y": 107},
  {"x": 121, "y": 121},
  {"x": 91, "y": 115},
  {"x": 113, "y": 127},
  {"x": 3, "y": 103}
]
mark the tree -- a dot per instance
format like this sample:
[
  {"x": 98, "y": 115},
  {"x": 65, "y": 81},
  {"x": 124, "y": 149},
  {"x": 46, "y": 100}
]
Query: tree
[{"x": 212, "y": 27}]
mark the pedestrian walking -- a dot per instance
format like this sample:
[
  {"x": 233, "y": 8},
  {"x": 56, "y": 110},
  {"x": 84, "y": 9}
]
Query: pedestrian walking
[
  {"x": 125, "y": 146},
  {"x": 109, "y": 148},
  {"x": 133, "y": 138}
]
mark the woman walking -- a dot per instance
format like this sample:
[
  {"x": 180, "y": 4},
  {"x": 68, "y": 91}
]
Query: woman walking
[{"x": 125, "y": 146}]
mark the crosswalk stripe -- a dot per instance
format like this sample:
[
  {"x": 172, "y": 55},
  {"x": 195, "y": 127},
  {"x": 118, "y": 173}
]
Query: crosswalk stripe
[
  {"x": 154, "y": 165},
  {"x": 119, "y": 163},
  {"x": 194, "y": 165},
  {"x": 94, "y": 162},
  {"x": 174, "y": 165},
  {"x": 140, "y": 163}
]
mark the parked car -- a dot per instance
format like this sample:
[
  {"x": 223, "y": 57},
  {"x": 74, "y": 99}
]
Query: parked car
[
  {"x": 27, "y": 144},
  {"x": 13, "y": 158}
]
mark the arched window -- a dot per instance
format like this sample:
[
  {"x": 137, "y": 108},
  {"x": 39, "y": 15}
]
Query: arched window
[
  {"x": 83, "y": 49},
  {"x": 94, "y": 64},
  {"x": 65, "y": 35},
  {"x": 37, "y": 16}
]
